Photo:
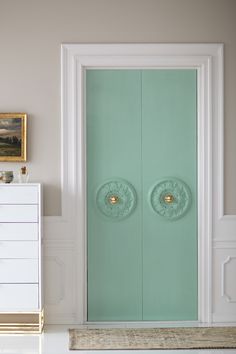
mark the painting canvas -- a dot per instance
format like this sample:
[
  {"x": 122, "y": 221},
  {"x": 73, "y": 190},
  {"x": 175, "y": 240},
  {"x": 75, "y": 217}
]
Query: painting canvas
[{"x": 13, "y": 136}]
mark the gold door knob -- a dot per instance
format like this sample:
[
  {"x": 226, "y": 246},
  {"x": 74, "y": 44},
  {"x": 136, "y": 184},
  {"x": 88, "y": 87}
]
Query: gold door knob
[
  {"x": 169, "y": 198},
  {"x": 113, "y": 199}
]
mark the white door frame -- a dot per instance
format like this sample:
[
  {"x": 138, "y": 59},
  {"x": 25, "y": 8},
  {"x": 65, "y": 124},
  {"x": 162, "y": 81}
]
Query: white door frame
[{"x": 208, "y": 60}]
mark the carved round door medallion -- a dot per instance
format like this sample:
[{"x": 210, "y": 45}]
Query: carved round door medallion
[
  {"x": 171, "y": 198},
  {"x": 116, "y": 199}
]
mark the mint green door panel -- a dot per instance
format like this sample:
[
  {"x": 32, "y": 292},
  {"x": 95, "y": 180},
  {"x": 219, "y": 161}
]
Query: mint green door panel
[
  {"x": 141, "y": 129},
  {"x": 113, "y": 151},
  {"x": 169, "y": 150}
]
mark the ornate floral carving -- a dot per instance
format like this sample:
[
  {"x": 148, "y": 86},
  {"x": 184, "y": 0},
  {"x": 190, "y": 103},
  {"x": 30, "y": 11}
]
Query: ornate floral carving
[
  {"x": 116, "y": 199},
  {"x": 171, "y": 198}
]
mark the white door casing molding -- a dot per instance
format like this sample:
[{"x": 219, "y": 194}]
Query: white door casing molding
[{"x": 207, "y": 59}]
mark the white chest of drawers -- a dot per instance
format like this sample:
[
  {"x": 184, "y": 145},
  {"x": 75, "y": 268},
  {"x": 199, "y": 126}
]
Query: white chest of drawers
[{"x": 21, "y": 307}]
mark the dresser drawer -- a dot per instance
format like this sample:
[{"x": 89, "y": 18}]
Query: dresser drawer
[
  {"x": 18, "y": 213},
  {"x": 19, "y": 231},
  {"x": 19, "y": 194},
  {"x": 19, "y": 297},
  {"x": 19, "y": 271},
  {"x": 19, "y": 249}
]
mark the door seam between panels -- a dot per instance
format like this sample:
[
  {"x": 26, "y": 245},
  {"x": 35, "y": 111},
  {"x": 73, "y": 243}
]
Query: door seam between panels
[{"x": 141, "y": 174}]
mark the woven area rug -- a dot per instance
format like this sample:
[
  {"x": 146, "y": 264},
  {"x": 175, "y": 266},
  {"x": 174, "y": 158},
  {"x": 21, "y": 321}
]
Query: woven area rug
[{"x": 153, "y": 338}]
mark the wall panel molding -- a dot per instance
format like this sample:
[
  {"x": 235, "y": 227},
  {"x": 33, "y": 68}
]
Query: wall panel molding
[
  {"x": 224, "y": 297},
  {"x": 224, "y": 243},
  {"x": 225, "y": 283},
  {"x": 59, "y": 282}
]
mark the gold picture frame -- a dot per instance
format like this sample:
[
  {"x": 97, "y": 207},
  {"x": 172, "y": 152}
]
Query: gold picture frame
[{"x": 13, "y": 137}]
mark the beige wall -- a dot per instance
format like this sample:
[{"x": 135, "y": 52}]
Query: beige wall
[{"x": 31, "y": 32}]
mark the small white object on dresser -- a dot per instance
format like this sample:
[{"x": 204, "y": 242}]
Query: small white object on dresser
[{"x": 21, "y": 305}]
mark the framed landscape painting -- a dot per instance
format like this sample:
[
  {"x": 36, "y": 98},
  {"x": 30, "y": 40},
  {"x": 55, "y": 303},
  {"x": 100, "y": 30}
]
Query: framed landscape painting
[{"x": 13, "y": 131}]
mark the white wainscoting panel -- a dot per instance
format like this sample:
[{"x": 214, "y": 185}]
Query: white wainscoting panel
[
  {"x": 224, "y": 280},
  {"x": 59, "y": 282}
]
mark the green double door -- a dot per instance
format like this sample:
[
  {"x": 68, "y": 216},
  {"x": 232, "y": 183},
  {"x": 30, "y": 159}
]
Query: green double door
[{"x": 141, "y": 194}]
